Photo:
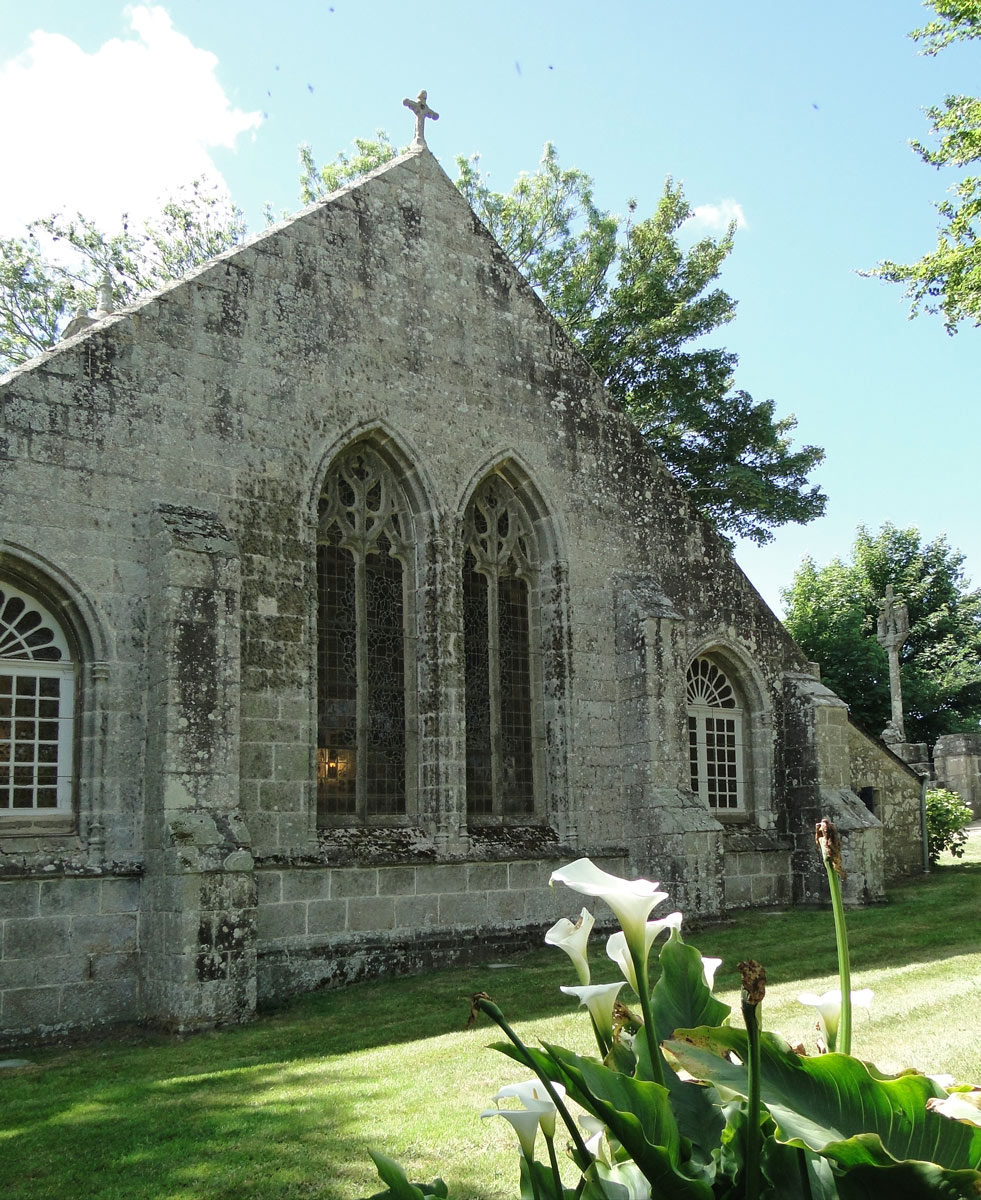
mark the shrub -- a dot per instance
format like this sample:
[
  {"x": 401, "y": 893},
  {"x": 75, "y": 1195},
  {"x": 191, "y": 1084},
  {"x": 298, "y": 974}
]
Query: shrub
[{"x": 947, "y": 820}]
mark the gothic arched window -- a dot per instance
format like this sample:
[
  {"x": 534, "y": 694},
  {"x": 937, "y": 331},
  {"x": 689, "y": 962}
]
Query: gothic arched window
[
  {"x": 37, "y": 702},
  {"x": 364, "y": 574},
  {"x": 500, "y": 580},
  {"x": 715, "y": 737}
]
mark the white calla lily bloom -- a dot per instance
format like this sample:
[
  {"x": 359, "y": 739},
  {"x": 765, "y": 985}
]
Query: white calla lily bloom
[
  {"x": 710, "y": 966},
  {"x": 572, "y": 936},
  {"x": 630, "y": 899},
  {"x": 618, "y": 950},
  {"x": 828, "y": 1006},
  {"x": 536, "y": 1101},
  {"x": 599, "y": 998},
  {"x": 524, "y": 1122}
]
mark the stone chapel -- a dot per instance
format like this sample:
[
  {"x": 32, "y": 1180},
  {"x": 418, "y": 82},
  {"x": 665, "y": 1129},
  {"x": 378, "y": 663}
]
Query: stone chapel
[{"x": 339, "y": 605}]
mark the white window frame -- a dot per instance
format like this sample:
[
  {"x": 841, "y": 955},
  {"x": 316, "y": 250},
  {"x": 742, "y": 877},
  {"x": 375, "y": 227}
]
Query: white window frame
[
  {"x": 17, "y": 661},
  {"x": 717, "y": 773}
]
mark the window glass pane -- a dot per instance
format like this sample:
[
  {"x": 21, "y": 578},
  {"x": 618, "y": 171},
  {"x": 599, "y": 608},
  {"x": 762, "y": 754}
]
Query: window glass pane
[
  {"x": 337, "y": 644},
  {"x": 385, "y": 684},
  {"x": 517, "y": 784},
  {"x": 480, "y": 786}
]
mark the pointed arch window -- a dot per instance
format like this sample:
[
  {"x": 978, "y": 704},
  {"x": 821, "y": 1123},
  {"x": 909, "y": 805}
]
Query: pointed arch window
[
  {"x": 500, "y": 583},
  {"x": 715, "y": 737},
  {"x": 365, "y": 566},
  {"x": 37, "y": 703}
]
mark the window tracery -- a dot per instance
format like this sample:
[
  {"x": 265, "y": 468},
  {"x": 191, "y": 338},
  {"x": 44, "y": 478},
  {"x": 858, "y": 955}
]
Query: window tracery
[
  {"x": 500, "y": 575},
  {"x": 364, "y": 563}
]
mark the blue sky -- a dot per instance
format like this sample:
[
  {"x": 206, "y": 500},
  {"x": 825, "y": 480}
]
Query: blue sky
[{"x": 797, "y": 117}]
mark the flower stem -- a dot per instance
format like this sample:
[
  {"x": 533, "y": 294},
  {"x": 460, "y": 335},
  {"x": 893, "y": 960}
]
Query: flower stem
[
  {"x": 484, "y": 1004},
  {"x": 754, "y": 988},
  {"x": 827, "y": 838},
  {"x": 550, "y": 1142},
  {"x": 536, "y": 1194},
  {"x": 654, "y": 1055},
  {"x": 844, "y": 966}
]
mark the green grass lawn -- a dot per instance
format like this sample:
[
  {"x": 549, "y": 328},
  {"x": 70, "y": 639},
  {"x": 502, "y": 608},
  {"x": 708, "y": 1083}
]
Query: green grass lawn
[{"x": 287, "y": 1106}]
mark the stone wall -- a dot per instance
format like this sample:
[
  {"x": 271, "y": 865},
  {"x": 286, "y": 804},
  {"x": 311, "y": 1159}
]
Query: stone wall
[
  {"x": 892, "y": 792},
  {"x": 322, "y": 927},
  {"x": 69, "y": 954},
  {"x": 957, "y": 763}
]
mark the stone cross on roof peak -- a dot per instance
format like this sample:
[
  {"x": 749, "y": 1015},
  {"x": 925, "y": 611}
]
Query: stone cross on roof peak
[{"x": 422, "y": 111}]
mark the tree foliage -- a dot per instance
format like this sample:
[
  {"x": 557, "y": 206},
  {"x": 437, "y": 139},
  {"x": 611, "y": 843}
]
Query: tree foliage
[
  {"x": 318, "y": 182},
  {"x": 56, "y": 269},
  {"x": 833, "y": 613},
  {"x": 639, "y": 306},
  {"x": 947, "y": 280}
]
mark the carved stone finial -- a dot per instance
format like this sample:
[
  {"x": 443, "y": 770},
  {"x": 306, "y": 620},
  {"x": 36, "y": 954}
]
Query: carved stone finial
[{"x": 422, "y": 111}]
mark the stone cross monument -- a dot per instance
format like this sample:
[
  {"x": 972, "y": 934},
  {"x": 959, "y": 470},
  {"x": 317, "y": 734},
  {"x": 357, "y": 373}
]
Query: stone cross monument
[
  {"x": 422, "y": 111},
  {"x": 892, "y": 633}
]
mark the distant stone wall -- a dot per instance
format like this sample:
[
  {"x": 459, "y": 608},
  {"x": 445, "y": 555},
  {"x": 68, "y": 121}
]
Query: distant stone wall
[
  {"x": 957, "y": 762},
  {"x": 895, "y": 800},
  {"x": 69, "y": 954},
  {"x": 327, "y": 926}
]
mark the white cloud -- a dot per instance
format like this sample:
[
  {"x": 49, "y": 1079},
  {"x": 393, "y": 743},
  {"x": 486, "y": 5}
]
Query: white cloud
[
  {"x": 716, "y": 218},
  {"x": 111, "y": 131}
]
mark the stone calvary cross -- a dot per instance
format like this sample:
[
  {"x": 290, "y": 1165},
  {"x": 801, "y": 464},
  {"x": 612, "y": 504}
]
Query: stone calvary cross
[
  {"x": 892, "y": 632},
  {"x": 422, "y": 111}
]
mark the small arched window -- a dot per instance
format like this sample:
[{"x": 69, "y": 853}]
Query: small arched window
[
  {"x": 364, "y": 565},
  {"x": 716, "y": 755},
  {"x": 500, "y": 577},
  {"x": 37, "y": 703}
]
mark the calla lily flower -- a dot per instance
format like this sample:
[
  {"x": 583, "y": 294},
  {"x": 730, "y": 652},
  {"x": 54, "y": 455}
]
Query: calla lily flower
[
  {"x": 710, "y": 966},
  {"x": 524, "y": 1122},
  {"x": 572, "y": 936},
  {"x": 626, "y": 1176},
  {"x": 536, "y": 1101},
  {"x": 599, "y": 998},
  {"x": 829, "y": 1010},
  {"x": 617, "y": 949},
  {"x": 630, "y": 899}
]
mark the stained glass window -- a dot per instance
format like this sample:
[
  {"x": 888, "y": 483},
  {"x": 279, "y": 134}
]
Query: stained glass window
[
  {"x": 715, "y": 737},
  {"x": 37, "y": 692},
  {"x": 363, "y": 557},
  {"x": 499, "y": 576}
]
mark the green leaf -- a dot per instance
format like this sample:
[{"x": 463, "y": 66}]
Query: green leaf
[
  {"x": 399, "y": 1187},
  {"x": 834, "y": 1104},
  {"x": 639, "y": 1115},
  {"x": 681, "y": 998}
]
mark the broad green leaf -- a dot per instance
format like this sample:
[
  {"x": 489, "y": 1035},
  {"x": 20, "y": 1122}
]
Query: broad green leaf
[
  {"x": 681, "y": 998},
  {"x": 638, "y": 1114},
  {"x": 908, "y": 1181},
  {"x": 820, "y": 1102}
]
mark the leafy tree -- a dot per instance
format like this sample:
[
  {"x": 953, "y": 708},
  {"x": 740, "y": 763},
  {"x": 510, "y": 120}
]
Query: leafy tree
[
  {"x": 318, "y": 182},
  {"x": 638, "y": 304},
  {"x": 833, "y": 614},
  {"x": 58, "y": 267},
  {"x": 947, "y": 280}
]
